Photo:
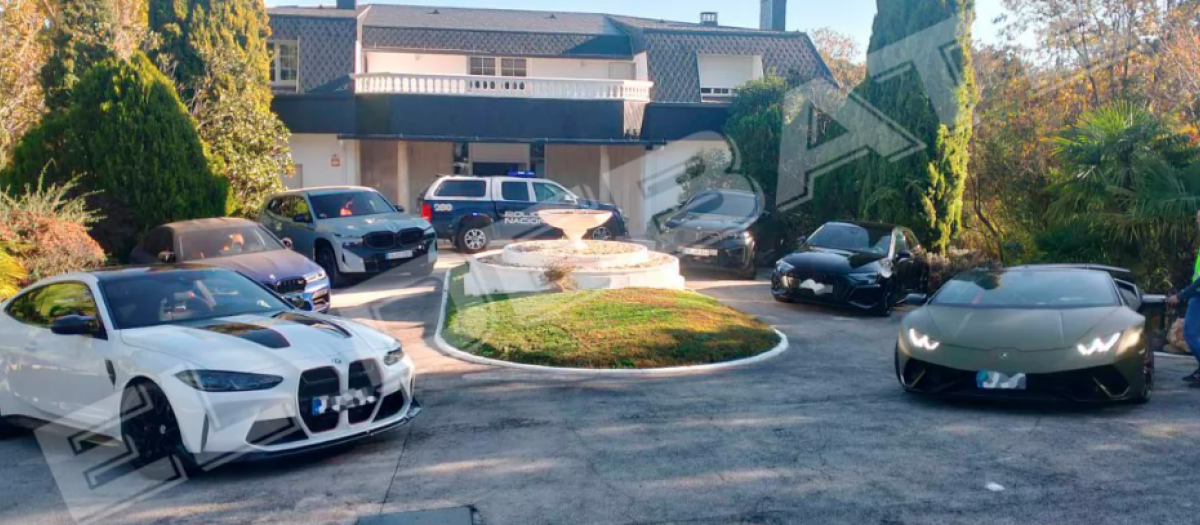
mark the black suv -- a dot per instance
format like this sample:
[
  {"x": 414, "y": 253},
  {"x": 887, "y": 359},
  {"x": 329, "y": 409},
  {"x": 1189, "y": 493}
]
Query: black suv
[{"x": 714, "y": 229}]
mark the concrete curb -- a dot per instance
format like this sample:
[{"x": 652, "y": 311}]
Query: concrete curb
[{"x": 455, "y": 353}]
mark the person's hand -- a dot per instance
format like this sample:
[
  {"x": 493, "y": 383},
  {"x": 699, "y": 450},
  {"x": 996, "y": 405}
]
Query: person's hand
[{"x": 1173, "y": 301}]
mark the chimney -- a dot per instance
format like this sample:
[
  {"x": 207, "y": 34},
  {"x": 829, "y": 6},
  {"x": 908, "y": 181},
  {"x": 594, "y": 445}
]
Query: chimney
[
  {"x": 347, "y": 4},
  {"x": 708, "y": 18},
  {"x": 773, "y": 16}
]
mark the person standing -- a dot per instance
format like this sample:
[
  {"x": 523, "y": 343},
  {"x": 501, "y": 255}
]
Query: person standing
[{"x": 1191, "y": 320}]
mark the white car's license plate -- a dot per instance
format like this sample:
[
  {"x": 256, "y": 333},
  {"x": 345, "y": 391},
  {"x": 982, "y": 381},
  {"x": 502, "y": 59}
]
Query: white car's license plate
[
  {"x": 998, "y": 381},
  {"x": 700, "y": 252},
  {"x": 406, "y": 254},
  {"x": 343, "y": 402}
]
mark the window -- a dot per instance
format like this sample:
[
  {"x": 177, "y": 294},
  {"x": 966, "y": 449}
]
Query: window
[
  {"x": 471, "y": 189},
  {"x": 42, "y": 306},
  {"x": 226, "y": 242},
  {"x": 159, "y": 241},
  {"x": 550, "y": 193},
  {"x": 285, "y": 64},
  {"x": 515, "y": 191},
  {"x": 900, "y": 244},
  {"x": 513, "y": 67},
  {"x": 292, "y": 206},
  {"x": 716, "y": 94},
  {"x": 483, "y": 66},
  {"x": 911, "y": 240}
]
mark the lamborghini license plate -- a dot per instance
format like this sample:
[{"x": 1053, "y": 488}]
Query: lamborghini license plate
[{"x": 998, "y": 381}]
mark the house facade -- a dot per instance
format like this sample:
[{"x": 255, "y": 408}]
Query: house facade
[{"x": 613, "y": 107}]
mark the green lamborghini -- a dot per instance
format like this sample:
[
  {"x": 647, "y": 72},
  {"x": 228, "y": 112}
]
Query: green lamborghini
[{"x": 1063, "y": 331}]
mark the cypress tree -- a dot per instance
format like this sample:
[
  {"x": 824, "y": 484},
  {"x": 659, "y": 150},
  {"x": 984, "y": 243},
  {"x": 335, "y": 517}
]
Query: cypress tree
[
  {"x": 132, "y": 143},
  {"x": 216, "y": 51},
  {"x": 81, "y": 34},
  {"x": 923, "y": 191}
]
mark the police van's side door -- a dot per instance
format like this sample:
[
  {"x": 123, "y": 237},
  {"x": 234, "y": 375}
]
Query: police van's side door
[
  {"x": 551, "y": 196},
  {"x": 515, "y": 206}
]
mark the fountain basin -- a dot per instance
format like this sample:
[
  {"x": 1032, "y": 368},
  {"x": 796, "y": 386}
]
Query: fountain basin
[
  {"x": 592, "y": 256},
  {"x": 575, "y": 223},
  {"x": 489, "y": 274}
]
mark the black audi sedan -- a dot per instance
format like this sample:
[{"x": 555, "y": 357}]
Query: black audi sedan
[
  {"x": 861, "y": 265},
  {"x": 713, "y": 230}
]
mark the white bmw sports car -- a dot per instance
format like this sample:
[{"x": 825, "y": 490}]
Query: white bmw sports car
[{"x": 196, "y": 364}]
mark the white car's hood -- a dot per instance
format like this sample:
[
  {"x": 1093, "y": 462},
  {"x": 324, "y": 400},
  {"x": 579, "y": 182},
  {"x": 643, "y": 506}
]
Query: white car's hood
[{"x": 250, "y": 343}]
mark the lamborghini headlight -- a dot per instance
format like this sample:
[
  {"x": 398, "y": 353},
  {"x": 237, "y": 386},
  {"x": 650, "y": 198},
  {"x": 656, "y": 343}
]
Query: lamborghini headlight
[
  {"x": 864, "y": 278},
  {"x": 922, "y": 341},
  {"x": 1117, "y": 343}
]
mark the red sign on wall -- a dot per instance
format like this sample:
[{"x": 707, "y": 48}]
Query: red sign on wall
[{"x": 335, "y": 161}]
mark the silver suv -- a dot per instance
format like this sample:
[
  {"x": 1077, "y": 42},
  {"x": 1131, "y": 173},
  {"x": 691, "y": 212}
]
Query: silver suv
[{"x": 351, "y": 230}]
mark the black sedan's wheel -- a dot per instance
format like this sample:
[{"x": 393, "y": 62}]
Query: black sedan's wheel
[
  {"x": 151, "y": 431},
  {"x": 327, "y": 260},
  {"x": 472, "y": 239},
  {"x": 602, "y": 234},
  {"x": 1143, "y": 396},
  {"x": 884, "y": 308}
]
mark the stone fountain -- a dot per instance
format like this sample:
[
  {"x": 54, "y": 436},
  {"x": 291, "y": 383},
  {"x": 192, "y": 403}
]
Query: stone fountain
[{"x": 593, "y": 265}]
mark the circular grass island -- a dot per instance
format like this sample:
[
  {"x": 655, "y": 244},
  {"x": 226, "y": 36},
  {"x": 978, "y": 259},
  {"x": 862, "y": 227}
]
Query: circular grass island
[{"x": 630, "y": 328}]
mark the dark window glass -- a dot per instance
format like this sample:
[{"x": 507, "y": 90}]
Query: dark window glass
[
  {"x": 485, "y": 66},
  {"x": 513, "y": 67},
  {"x": 350, "y": 204},
  {"x": 462, "y": 188},
  {"x": 550, "y": 193},
  {"x": 911, "y": 240},
  {"x": 901, "y": 244},
  {"x": 853, "y": 238},
  {"x": 515, "y": 191},
  {"x": 158, "y": 241},
  {"x": 224, "y": 242},
  {"x": 24, "y": 309},
  {"x": 1028, "y": 289},
  {"x": 163, "y": 297},
  {"x": 42, "y": 306},
  {"x": 725, "y": 204},
  {"x": 291, "y": 206}
]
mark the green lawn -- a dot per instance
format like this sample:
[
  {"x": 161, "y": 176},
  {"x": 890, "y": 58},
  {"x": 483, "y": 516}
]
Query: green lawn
[{"x": 631, "y": 328}]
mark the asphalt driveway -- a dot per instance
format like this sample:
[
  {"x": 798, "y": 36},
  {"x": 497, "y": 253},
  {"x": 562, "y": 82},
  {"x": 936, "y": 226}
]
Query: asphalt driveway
[{"x": 821, "y": 434}]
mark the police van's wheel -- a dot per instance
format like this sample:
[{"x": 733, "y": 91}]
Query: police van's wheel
[{"x": 472, "y": 239}]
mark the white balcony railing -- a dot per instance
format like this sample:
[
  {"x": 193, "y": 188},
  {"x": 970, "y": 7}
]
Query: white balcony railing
[{"x": 514, "y": 87}]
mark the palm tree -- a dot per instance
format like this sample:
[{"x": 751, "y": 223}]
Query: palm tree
[{"x": 1129, "y": 178}]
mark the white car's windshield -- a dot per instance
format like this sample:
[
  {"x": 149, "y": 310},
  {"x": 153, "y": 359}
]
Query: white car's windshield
[
  {"x": 171, "y": 296},
  {"x": 350, "y": 204}
]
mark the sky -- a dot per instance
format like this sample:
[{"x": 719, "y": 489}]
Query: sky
[{"x": 852, "y": 17}]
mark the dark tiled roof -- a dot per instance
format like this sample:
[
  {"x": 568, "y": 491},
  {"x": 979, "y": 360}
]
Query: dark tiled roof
[
  {"x": 510, "y": 20},
  {"x": 674, "y": 63},
  {"x": 315, "y": 12},
  {"x": 499, "y": 43},
  {"x": 327, "y": 54},
  {"x": 326, "y": 48}
]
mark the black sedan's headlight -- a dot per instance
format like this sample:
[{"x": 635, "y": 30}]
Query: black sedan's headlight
[
  {"x": 864, "y": 278},
  {"x": 742, "y": 237},
  {"x": 221, "y": 381},
  {"x": 783, "y": 267}
]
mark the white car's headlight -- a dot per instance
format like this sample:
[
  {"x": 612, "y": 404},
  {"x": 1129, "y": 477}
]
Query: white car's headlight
[
  {"x": 1120, "y": 342},
  {"x": 922, "y": 341},
  {"x": 319, "y": 275},
  {"x": 783, "y": 267},
  {"x": 394, "y": 356},
  {"x": 220, "y": 381}
]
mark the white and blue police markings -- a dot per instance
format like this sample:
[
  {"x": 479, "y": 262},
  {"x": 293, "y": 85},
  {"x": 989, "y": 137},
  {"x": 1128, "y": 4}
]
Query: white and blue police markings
[{"x": 520, "y": 217}]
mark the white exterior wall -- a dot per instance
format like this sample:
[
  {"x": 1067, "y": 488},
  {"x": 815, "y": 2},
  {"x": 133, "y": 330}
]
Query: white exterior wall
[
  {"x": 441, "y": 64},
  {"x": 430, "y": 64},
  {"x": 662, "y": 165},
  {"x": 313, "y": 155},
  {"x": 728, "y": 71}
]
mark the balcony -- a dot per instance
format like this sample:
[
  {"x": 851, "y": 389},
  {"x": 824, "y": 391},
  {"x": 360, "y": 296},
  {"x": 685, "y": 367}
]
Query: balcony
[{"x": 503, "y": 87}]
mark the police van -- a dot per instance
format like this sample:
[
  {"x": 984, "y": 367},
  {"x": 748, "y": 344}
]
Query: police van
[{"x": 473, "y": 211}]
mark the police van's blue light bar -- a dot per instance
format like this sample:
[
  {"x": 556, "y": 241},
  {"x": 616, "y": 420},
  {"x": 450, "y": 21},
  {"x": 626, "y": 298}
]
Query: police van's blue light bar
[{"x": 524, "y": 174}]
